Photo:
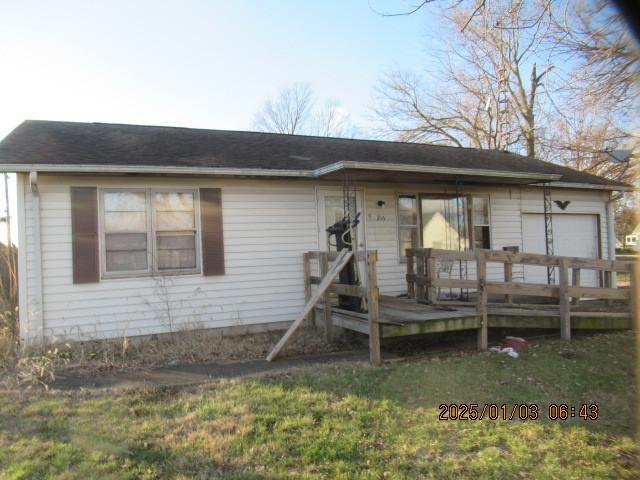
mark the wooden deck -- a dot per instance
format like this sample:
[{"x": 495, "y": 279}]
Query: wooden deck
[
  {"x": 425, "y": 310},
  {"x": 403, "y": 316}
]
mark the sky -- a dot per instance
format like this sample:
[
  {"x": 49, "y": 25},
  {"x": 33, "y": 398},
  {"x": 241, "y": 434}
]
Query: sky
[{"x": 205, "y": 64}]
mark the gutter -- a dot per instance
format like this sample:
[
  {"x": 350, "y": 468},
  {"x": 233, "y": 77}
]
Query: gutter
[
  {"x": 593, "y": 186},
  {"x": 35, "y": 333},
  {"x": 399, "y": 167},
  {"x": 611, "y": 237},
  {"x": 263, "y": 172}
]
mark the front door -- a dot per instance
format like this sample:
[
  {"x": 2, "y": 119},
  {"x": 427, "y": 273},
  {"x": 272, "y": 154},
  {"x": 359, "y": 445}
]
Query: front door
[{"x": 331, "y": 209}]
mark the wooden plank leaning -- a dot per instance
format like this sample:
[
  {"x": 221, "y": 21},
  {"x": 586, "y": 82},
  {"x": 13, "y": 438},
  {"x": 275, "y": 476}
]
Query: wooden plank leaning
[{"x": 341, "y": 261}]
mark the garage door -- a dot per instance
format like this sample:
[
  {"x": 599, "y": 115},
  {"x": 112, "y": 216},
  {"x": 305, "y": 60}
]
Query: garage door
[{"x": 573, "y": 236}]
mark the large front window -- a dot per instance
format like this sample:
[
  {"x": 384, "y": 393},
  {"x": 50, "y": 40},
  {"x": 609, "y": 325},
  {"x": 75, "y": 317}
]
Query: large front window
[
  {"x": 443, "y": 221},
  {"x": 147, "y": 232}
]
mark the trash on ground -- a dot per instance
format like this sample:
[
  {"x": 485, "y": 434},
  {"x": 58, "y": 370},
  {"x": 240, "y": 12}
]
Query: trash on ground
[
  {"x": 508, "y": 350},
  {"x": 517, "y": 343}
]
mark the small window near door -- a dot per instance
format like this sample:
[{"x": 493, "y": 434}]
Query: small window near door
[
  {"x": 481, "y": 224},
  {"x": 407, "y": 223}
]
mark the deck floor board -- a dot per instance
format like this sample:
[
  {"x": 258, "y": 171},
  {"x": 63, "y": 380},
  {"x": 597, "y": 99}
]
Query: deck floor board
[{"x": 403, "y": 316}]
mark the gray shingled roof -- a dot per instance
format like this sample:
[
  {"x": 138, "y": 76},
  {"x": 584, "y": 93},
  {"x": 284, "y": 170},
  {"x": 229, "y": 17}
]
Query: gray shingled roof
[{"x": 36, "y": 142}]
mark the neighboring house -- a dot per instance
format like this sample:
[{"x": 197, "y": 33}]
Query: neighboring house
[
  {"x": 133, "y": 230},
  {"x": 631, "y": 240}
]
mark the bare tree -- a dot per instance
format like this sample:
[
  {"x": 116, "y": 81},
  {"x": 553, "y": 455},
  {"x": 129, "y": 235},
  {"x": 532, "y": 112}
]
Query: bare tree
[
  {"x": 293, "y": 112},
  {"x": 332, "y": 121},
  {"x": 591, "y": 139},
  {"x": 594, "y": 34},
  {"x": 465, "y": 104},
  {"x": 289, "y": 113}
]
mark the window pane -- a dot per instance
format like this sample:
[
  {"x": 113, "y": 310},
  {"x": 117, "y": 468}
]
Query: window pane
[
  {"x": 125, "y": 221},
  {"x": 408, "y": 238},
  {"x": 118, "y": 261},
  {"x": 125, "y": 241},
  {"x": 481, "y": 236},
  {"x": 174, "y": 201},
  {"x": 176, "y": 251},
  {"x": 124, "y": 202},
  {"x": 407, "y": 211},
  {"x": 334, "y": 208},
  {"x": 175, "y": 221},
  {"x": 480, "y": 211},
  {"x": 444, "y": 223}
]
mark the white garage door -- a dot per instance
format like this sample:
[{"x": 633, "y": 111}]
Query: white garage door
[{"x": 573, "y": 236}]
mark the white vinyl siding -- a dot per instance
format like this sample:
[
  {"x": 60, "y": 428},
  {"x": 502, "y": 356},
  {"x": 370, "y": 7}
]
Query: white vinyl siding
[
  {"x": 268, "y": 224},
  {"x": 267, "y": 227}
]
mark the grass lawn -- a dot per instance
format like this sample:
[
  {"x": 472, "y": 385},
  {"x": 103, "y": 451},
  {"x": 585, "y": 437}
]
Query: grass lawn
[{"x": 342, "y": 421}]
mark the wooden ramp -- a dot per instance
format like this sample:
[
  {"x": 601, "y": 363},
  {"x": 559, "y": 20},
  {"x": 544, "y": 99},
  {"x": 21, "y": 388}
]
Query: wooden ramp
[
  {"x": 424, "y": 310},
  {"x": 403, "y": 316}
]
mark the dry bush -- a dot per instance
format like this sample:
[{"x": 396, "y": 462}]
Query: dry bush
[
  {"x": 188, "y": 346},
  {"x": 8, "y": 338}
]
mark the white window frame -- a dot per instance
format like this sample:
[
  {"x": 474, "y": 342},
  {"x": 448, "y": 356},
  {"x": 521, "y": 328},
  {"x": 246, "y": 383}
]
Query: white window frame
[
  {"x": 401, "y": 256},
  {"x": 469, "y": 198},
  {"x": 152, "y": 269},
  {"x": 473, "y": 224}
]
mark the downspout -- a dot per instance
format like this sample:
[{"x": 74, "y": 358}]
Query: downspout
[
  {"x": 611, "y": 235},
  {"x": 36, "y": 307}
]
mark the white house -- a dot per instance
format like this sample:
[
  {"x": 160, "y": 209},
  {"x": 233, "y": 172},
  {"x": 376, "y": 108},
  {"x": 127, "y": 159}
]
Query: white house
[
  {"x": 134, "y": 230},
  {"x": 631, "y": 240}
]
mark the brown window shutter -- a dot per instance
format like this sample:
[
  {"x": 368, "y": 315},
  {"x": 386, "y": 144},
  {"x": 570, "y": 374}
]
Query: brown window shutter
[
  {"x": 84, "y": 231},
  {"x": 212, "y": 237}
]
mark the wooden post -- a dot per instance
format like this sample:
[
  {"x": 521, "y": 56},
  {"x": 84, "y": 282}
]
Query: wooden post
[
  {"x": 481, "y": 269},
  {"x": 608, "y": 276},
  {"x": 420, "y": 278},
  {"x": 326, "y": 299},
  {"x": 508, "y": 277},
  {"x": 565, "y": 301},
  {"x": 508, "y": 270},
  {"x": 575, "y": 282},
  {"x": 432, "y": 270},
  {"x": 634, "y": 304},
  {"x": 373, "y": 306},
  {"x": 411, "y": 291},
  {"x": 306, "y": 272}
]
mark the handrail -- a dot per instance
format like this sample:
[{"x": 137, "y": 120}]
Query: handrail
[{"x": 423, "y": 280}]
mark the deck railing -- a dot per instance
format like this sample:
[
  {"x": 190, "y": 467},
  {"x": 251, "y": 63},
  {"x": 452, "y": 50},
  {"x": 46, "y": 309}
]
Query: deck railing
[
  {"x": 368, "y": 290},
  {"x": 424, "y": 282}
]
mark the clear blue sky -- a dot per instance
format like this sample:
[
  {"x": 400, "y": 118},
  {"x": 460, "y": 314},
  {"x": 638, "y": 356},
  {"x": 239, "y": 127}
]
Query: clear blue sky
[{"x": 208, "y": 64}]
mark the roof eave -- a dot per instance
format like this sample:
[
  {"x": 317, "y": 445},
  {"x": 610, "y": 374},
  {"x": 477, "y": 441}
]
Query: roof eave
[
  {"x": 167, "y": 170},
  {"x": 399, "y": 167},
  {"x": 594, "y": 186},
  {"x": 317, "y": 173}
]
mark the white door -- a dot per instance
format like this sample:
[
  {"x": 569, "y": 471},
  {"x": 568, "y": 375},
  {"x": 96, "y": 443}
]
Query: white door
[
  {"x": 331, "y": 209},
  {"x": 573, "y": 236}
]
